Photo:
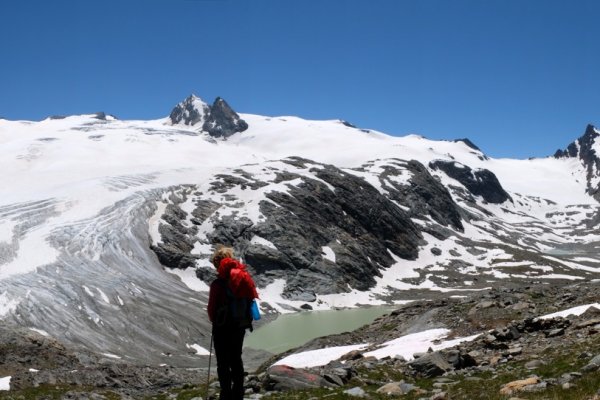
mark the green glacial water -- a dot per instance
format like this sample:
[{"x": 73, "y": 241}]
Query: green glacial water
[{"x": 293, "y": 330}]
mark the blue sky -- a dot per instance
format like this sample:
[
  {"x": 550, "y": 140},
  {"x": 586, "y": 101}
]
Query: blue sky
[{"x": 518, "y": 77}]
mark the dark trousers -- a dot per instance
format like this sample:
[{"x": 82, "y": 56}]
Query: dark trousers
[{"x": 230, "y": 368}]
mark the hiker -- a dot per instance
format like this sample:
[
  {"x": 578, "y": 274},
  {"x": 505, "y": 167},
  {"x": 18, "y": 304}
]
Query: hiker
[{"x": 230, "y": 298}]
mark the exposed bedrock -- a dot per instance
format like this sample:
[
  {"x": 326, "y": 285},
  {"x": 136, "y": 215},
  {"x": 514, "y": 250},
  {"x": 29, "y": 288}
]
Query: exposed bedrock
[
  {"x": 324, "y": 231},
  {"x": 480, "y": 182}
]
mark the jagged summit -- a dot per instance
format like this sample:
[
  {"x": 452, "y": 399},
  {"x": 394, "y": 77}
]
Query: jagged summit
[
  {"x": 581, "y": 147},
  {"x": 219, "y": 120},
  {"x": 585, "y": 148},
  {"x": 191, "y": 111}
]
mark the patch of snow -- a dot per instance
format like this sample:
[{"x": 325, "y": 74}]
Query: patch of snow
[
  {"x": 40, "y": 331},
  {"x": 406, "y": 346},
  {"x": 328, "y": 253},
  {"x": 109, "y": 355},
  {"x": 5, "y": 383},
  {"x": 189, "y": 278},
  {"x": 264, "y": 242},
  {"x": 315, "y": 358},
  {"x": 571, "y": 311},
  {"x": 201, "y": 351}
]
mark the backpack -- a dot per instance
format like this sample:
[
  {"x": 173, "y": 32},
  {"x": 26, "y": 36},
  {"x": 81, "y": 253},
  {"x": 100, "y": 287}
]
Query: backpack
[
  {"x": 241, "y": 292},
  {"x": 236, "y": 312}
]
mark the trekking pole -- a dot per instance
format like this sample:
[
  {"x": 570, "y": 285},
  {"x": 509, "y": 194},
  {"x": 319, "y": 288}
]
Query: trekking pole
[{"x": 209, "y": 359}]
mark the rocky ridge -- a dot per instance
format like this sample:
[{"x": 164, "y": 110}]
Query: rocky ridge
[{"x": 283, "y": 217}]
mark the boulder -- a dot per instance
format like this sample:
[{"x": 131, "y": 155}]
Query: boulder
[
  {"x": 430, "y": 365},
  {"x": 283, "y": 378},
  {"x": 518, "y": 385}
]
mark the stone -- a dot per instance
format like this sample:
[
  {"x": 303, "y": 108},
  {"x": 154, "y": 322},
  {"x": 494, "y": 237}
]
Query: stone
[
  {"x": 533, "y": 364},
  {"x": 335, "y": 379},
  {"x": 396, "y": 388},
  {"x": 514, "y": 351},
  {"x": 555, "y": 332},
  {"x": 430, "y": 365},
  {"x": 521, "y": 305},
  {"x": 283, "y": 377},
  {"x": 593, "y": 365},
  {"x": 585, "y": 324},
  {"x": 356, "y": 392},
  {"x": 353, "y": 355},
  {"x": 518, "y": 385}
]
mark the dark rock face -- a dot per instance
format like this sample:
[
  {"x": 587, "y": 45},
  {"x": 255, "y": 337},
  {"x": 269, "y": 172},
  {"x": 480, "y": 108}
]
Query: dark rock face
[
  {"x": 219, "y": 120},
  {"x": 480, "y": 182},
  {"x": 222, "y": 121},
  {"x": 177, "y": 244},
  {"x": 583, "y": 149},
  {"x": 304, "y": 214},
  {"x": 355, "y": 221},
  {"x": 190, "y": 111},
  {"x": 425, "y": 195}
]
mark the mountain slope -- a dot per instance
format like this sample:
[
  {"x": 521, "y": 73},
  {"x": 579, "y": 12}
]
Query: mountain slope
[{"x": 326, "y": 214}]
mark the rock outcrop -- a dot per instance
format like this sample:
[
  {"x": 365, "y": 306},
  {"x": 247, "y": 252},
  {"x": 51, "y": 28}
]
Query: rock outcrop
[
  {"x": 222, "y": 121},
  {"x": 583, "y": 148},
  {"x": 306, "y": 208},
  {"x": 218, "y": 120},
  {"x": 480, "y": 182}
]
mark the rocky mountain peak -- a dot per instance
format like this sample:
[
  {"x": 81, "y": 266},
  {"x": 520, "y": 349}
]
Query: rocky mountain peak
[
  {"x": 583, "y": 148},
  {"x": 191, "y": 111},
  {"x": 219, "y": 120}
]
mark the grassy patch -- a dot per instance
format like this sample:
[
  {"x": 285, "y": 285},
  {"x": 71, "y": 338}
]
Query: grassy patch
[{"x": 53, "y": 392}]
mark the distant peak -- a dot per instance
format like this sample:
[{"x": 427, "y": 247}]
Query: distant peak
[
  {"x": 468, "y": 143},
  {"x": 581, "y": 147},
  {"x": 191, "y": 111},
  {"x": 590, "y": 130},
  {"x": 218, "y": 120}
]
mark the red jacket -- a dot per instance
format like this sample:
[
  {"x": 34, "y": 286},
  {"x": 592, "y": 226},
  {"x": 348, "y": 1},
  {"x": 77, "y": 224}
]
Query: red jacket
[{"x": 239, "y": 282}]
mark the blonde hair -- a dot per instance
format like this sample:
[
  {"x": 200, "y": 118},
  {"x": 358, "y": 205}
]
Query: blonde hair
[{"x": 220, "y": 253}]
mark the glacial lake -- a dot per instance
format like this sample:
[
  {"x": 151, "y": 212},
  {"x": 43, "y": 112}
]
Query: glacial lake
[{"x": 293, "y": 330}]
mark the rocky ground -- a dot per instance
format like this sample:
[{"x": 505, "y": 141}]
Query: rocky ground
[{"x": 516, "y": 356}]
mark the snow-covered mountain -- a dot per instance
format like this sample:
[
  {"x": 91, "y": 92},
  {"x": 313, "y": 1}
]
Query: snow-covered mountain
[{"x": 106, "y": 226}]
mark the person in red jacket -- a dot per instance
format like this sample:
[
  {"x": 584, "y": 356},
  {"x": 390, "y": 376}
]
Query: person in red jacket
[{"x": 228, "y": 335}]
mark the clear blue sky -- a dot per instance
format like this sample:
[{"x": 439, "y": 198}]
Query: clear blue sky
[{"x": 520, "y": 78}]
